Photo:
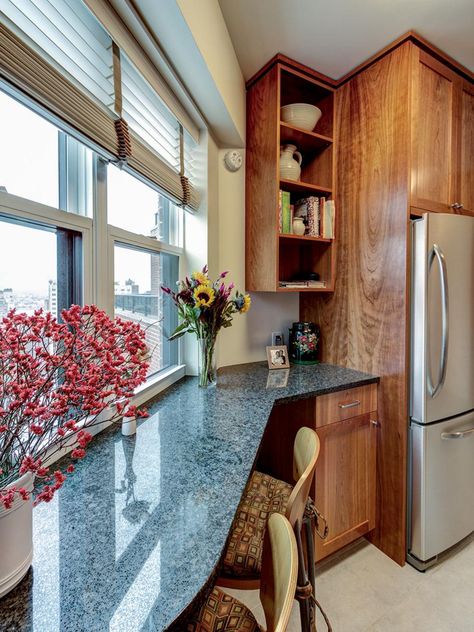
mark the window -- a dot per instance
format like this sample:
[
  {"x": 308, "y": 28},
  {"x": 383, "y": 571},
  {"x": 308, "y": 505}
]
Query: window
[
  {"x": 138, "y": 297},
  {"x": 29, "y": 156},
  {"x": 98, "y": 160},
  {"x": 41, "y": 163},
  {"x": 137, "y": 207},
  {"x": 52, "y": 280}
]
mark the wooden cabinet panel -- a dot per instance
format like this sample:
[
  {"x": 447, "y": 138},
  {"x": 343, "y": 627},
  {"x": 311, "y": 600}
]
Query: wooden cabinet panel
[
  {"x": 364, "y": 324},
  {"x": 466, "y": 169},
  {"x": 262, "y": 184},
  {"x": 345, "y": 404},
  {"x": 433, "y": 135},
  {"x": 344, "y": 487}
]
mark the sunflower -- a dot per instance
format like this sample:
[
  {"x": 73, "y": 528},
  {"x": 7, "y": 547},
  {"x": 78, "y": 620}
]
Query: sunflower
[
  {"x": 242, "y": 302},
  {"x": 203, "y": 295},
  {"x": 246, "y": 305},
  {"x": 200, "y": 278}
]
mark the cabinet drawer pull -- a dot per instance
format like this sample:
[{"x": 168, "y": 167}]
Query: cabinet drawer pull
[{"x": 351, "y": 405}]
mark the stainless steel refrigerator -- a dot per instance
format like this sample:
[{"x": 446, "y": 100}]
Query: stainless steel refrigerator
[{"x": 441, "y": 438}]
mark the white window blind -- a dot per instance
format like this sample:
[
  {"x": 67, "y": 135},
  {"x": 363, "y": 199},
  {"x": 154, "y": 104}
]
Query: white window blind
[
  {"x": 68, "y": 36},
  {"x": 70, "y": 70}
]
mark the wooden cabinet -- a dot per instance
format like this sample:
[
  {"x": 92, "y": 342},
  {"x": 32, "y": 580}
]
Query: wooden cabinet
[
  {"x": 344, "y": 488},
  {"x": 442, "y": 137},
  {"x": 466, "y": 165},
  {"x": 345, "y": 483},
  {"x": 273, "y": 257}
]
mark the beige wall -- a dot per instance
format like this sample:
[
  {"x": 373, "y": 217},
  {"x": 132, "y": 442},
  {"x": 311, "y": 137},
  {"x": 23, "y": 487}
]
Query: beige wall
[
  {"x": 206, "y": 23},
  {"x": 245, "y": 341}
]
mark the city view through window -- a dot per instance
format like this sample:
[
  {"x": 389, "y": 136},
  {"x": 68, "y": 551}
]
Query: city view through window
[{"x": 28, "y": 269}]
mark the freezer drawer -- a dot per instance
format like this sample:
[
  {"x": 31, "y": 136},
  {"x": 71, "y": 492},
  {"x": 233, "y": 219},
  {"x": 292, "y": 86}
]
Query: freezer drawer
[{"x": 442, "y": 485}]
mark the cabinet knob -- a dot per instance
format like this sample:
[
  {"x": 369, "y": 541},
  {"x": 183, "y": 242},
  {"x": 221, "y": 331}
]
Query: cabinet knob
[
  {"x": 374, "y": 422},
  {"x": 457, "y": 206}
]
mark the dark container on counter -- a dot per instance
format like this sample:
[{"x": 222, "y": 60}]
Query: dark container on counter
[{"x": 304, "y": 342}]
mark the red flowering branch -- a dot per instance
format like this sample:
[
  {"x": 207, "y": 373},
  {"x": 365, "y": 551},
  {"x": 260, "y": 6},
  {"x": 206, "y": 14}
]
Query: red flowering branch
[{"x": 55, "y": 381}]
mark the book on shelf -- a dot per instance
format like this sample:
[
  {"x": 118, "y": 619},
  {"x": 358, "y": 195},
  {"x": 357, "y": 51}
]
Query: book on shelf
[
  {"x": 280, "y": 212},
  {"x": 328, "y": 213},
  {"x": 285, "y": 213},
  {"x": 308, "y": 209}
]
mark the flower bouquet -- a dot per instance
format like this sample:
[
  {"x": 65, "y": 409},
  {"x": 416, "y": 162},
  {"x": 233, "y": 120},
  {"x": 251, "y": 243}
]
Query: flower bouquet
[
  {"x": 204, "y": 308},
  {"x": 56, "y": 380}
]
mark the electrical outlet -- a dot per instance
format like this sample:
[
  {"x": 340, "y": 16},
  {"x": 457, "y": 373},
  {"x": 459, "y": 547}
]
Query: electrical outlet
[{"x": 277, "y": 338}]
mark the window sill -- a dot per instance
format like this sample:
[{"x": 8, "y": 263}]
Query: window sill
[{"x": 158, "y": 383}]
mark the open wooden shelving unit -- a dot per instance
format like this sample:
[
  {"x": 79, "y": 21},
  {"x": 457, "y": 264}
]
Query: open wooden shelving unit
[{"x": 272, "y": 257}]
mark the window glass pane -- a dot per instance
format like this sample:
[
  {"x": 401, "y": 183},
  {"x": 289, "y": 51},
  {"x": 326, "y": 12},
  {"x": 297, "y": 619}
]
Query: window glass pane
[
  {"x": 76, "y": 185},
  {"x": 137, "y": 207},
  {"x": 29, "y": 155},
  {"x": 27, "y": 287},
  {"x": 139, "y": 275},
  {"x": 51, "y": 281}
]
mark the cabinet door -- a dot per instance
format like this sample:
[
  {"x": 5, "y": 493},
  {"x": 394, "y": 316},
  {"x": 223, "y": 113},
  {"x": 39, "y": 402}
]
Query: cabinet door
[
  {"x": 433, "y": 142},
  {"x": 466, "y": 167},
  {"x": 345, "y": 481}
]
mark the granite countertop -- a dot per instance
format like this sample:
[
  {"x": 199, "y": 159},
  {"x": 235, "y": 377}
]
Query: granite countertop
[{"x": 136, "y": 533}]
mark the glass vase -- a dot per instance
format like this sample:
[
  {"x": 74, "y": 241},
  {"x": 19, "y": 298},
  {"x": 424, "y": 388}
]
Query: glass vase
[{"x": 207, "y": 369}]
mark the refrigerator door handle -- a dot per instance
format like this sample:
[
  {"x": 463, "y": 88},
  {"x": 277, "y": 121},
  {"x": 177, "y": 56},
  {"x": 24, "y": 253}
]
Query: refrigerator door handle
[
  {"x": 437, "y": 253},
  {"x": 457, "y": 435}
]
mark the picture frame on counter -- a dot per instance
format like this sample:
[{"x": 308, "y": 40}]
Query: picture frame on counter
[{"x": 277, "y": 357}]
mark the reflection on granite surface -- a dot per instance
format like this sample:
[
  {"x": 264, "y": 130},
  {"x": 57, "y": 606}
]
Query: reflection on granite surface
[{"x": 138, "y": 529}]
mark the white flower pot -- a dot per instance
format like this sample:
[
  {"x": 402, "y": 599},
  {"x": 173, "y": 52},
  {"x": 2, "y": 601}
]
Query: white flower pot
[
  {"x": 129, "y": 426},
  {"x": 16, "y": 537}
]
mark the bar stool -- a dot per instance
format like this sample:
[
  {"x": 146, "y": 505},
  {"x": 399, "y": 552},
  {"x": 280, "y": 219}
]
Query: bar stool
[
  {"x": 263, "y": 497},
  {"x": 221, "y": 612}
]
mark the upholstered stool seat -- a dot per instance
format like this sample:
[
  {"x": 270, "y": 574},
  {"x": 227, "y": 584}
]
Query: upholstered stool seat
[
  {"x": 263, "y": 496},
  {"x": 222, "y": 612}
]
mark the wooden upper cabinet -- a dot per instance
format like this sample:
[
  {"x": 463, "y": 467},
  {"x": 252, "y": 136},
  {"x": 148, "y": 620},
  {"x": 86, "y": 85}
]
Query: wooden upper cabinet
[
  {"x": 277, "y": 260},
  {"x": 442, "y": 138},
  {"x": 466, "y": 166},
  {"x": 433, "y": 166}
]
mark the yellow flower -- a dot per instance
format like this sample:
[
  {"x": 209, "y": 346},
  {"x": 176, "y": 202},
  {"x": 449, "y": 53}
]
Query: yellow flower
[
  {"x": 203, "y": 295},
  {"x": 200, "y": 277},
  {"x": 246, "y": 305}
]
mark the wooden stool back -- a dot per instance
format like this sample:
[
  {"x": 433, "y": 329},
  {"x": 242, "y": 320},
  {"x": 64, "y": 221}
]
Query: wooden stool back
[
  {"x": 305, "y": 454},
  {"x": 279, "y": 573}
]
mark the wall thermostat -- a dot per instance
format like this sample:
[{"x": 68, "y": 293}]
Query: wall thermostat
[{"x": 233, "y": 160}]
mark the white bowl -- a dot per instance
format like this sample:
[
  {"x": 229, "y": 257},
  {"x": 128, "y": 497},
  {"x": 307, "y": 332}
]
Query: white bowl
[{"x": 302, "y": 115}]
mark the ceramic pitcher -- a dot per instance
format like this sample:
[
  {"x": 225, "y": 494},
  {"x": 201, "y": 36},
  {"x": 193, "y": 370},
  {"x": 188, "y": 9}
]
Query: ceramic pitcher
[{"x": 290, "y": 169}]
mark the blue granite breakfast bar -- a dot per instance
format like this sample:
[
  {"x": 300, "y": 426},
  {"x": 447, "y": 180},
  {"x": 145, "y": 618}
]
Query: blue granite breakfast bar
[{"x": 137, "y": 532}]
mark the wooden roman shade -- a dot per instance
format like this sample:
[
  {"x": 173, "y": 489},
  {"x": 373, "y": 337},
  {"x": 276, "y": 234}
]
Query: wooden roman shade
[{"x": 108, "y": 101}]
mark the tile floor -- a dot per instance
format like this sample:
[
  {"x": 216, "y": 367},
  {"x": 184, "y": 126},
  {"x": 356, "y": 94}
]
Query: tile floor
[{"x": 362, "y": 590}]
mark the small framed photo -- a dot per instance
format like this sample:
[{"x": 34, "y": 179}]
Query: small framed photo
[{"x": 278, "y": 357}]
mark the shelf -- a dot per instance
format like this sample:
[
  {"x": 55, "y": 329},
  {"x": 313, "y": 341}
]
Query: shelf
[
  {"x": 305, "y": 141},
  {"x": 305, "y": 289},
  {"x": 303, "y": 187},
  {"x": 325, "y": 240}
]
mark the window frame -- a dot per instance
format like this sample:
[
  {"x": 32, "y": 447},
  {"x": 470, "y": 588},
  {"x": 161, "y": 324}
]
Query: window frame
[{"x": 121, "y": 237}]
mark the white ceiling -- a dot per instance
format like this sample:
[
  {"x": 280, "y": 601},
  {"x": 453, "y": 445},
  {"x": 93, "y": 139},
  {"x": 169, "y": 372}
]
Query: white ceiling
[{"x": 335, "y": 36}]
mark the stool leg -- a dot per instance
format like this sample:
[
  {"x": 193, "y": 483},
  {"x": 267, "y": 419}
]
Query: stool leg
[
  {"x": 311, "y": 566},
  {"x": 305, "y": 613}
]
